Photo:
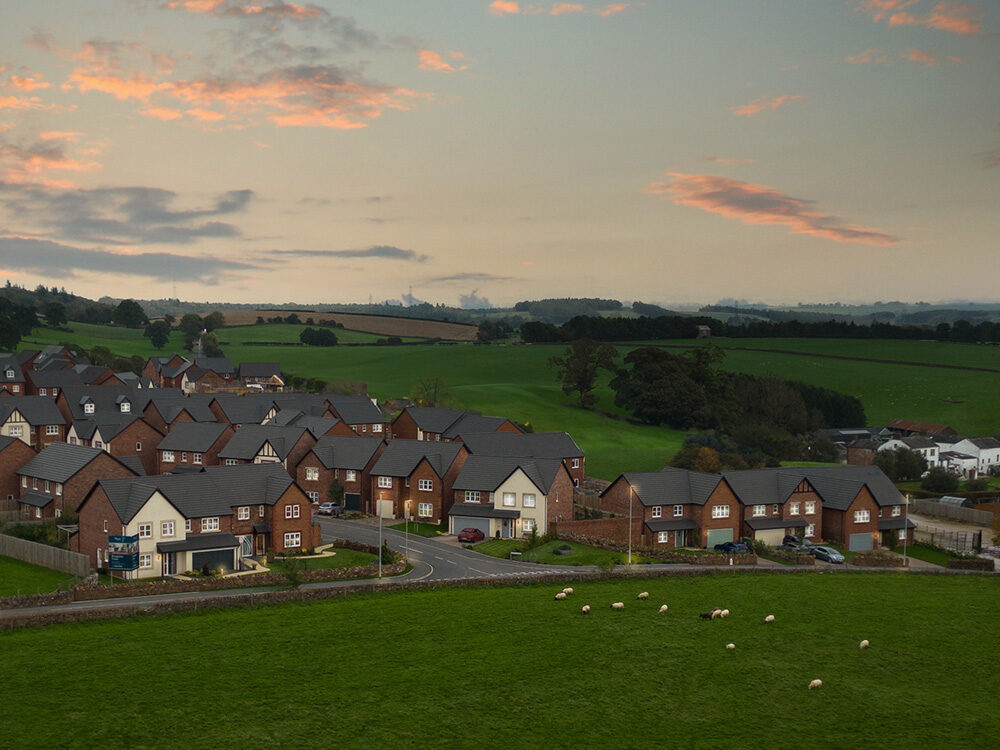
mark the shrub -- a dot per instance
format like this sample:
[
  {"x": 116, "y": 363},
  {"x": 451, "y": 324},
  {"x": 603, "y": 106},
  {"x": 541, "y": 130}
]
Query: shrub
[
  {"x": 939, "y": 479},
  {"x": 979, "y": 484}
]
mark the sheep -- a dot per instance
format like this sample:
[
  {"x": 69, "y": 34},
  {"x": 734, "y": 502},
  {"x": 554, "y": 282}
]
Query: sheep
[
  {"x": 724, "y": 613},
  {"x": 716, "y": 613},
  {"x": 663, "y": 609},
  {"x": 585, "y": 609},
  {"x": 730, "y": 646},
  {"x": 618, "y": 605},
  {"x": 567, "y": 591},
  {"x": 643, "y": 595},
  {"x": 864, "y": 644},
  {"x": 769, "y": 619},
  {"x": 706, "y": 616},
  {"x": 815, "y": 684},
  {"x": 560, "y": 596}
]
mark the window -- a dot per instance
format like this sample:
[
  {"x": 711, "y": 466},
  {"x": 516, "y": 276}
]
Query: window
[
  {"x": 24, "y": 482},
  {"x": 425, "y": 510},
  {"x": 167, "y": 528},
  {"x": 231, "y": 462},
  {"x": 9, "y": 374},
  {"x": 759, "y": 510},
  {"x": 15, "y": 388},
  {"x": 312, "y": 474},
  {"x": 350, "y": 475},
  {"x": 15, "y": 430},
  {"x": 187, "y": 524},
  {"x": 528, "y": 499},
  {"x": 292, "y": 511},
  {"x": 58, "y": 488},
  {"x": 896, "y": 510},
  {"x": 196, "y": 458},
  {"x": 663, "y": 537},
  {"x": 364, "y": 428},
  {"x": 138, "y": 447},
  {"x": 810, "y": 530},
  {"x": 88, "y": 408},
  {"x": 145, "y": 530},
  {"x": 794, "y": 509},
  {"x": 471, "y": 496},
  {"x": 425, "y": 485},
  {"x": 313, "y": 496},
  {"x": 146, "y": 560},
  {"x": 210, "y": 524},
  {"x": 46, "y": 488},
  {"x": 168, "y": 457},
  {"x": 42, "y": 392},
  {"x": 775, "y": 509},
  {"x": 293, "y": 539},
  {"x": 377, "y": 428},
  {"x": 810, "y": 508},
  {"x": 901, "y": 535},
  {"x": 509, "y": 499},
  {"x": 51, "y": 429},
  {"x": 184, "y": 458},
  {"x": 260, "y": 512},
  {"x": 38, "y": 512},
  {"x": 385, "y": 482},
  {"x": 720, "y": 511},
  {"x": 72, "y": 441},
  {"x": 98, "y": 444},
  {"x": 243, "y": 513},
  {"x": 678, "y": 511},
  {"x": 528, "y": 524},
  {"x": 105, "y": 526},
  {"x": 657, "y": 511},
  {"x": 126, "y": 407},
  {"x": 58, "y": 513},
  {"x": 34, "y": 483},
  {"x": 576, "y": 463},
  {"x": 862, "y": 516},
  {"x": 406, "y": 482}
]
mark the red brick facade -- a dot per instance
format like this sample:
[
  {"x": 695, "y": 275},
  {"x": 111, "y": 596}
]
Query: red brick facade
[
  {"x": 360, "y": 485},
  {"x": 67, "y": 497},
  {"x": 839, "y": 525},
  {"x": 441, "y": 496},
  {"x": 12, "y": 458}
]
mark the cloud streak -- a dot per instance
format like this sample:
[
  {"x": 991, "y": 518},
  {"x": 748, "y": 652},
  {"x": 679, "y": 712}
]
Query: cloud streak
[
  {"x": 385, "y": 252},
  {"x": 511, "y": 8},
  {"x": 436, "y": 63},
  {"x": 762, "y": 205},
  {"x": 954, "y": 17},
  {"x": 456, "y": 278},
  {"x": 763, "y": 104}
]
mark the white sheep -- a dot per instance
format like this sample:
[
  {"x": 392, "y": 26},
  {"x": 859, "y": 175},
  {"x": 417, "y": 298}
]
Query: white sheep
[
  {"x": 618, "y": 605},
  {"x": 864, "y": 644},
  {"x": 716, "y": 613},
  {"x": 730, "y": 646},
  {"x": 769, "y": 619},
  {"x": 815, "y": 684},
  {"x": 724, "y": 613},
  {"x": 560, "y": 596},
  {"x": 643, "y": 595},
  {"x": 567, "y": 591},
  {"x": 663, "y": 609},
  {"x": 585, "y": 609}
]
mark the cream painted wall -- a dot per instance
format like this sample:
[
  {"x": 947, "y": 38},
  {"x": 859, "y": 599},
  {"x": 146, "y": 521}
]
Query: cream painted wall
[
  {"x": 520, "y": 485},
  {"x": 16, "y": 420},
  {"x": 156, "y": 510}
]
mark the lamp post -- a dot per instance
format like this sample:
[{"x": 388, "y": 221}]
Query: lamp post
[
  {"x": 406, "y": 529},
  {"x": 631, "y": 494},
  {"x": 380, "y": 541},
  {"x": 906, "y": 530}
]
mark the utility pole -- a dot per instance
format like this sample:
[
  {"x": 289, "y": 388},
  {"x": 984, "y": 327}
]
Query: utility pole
[{"x": 631, "y": 494}]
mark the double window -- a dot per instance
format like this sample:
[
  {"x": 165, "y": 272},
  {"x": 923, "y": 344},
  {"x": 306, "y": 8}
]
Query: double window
[
  {"x": 528, "y": 524},
  {"x": 210, "y": 524},
  {"x": 146, "y": 560},
  {"x": 896, "y": 510},
  {"x": 471, "y": 496},
  {"x": 425, "y": 510},
  {"x": 293, "y": 539},
  {"x": 376, "y": 427},
  {"x": 196, "y": 458},
  {"x": 576, "y": 463},
  {"x": 292, "y": 511},
  {"x": 663, "y": 537},
  {"x": 657, "y": 511},
  {"x": 759, "y": 510},
  {"x": 810, "y": 508},
  {"x": 720, "y": 511},
  {"x": 862, "y": 516},
  {"x": 350, "y": 475},
  {"x": 794, "y": 510},
  {"x": 168, "y": 457},
  {"x": 243, "y": 513},
  {"x": 167, "y": 528},
  {"x": 312, "y": 474},
  {"x": 425, "y": 485},
  {"x": 385, "y": 482},
  {"x": 678, "y": 511}
]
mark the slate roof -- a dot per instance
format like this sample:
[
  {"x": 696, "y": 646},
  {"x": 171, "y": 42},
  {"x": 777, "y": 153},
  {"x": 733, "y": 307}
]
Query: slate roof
[
  {"x": 318, "y": 426},
  {"x": 926, "y": 428},
  {"x": 89, "y": 373},
  {"x": 170, "y": 402},
  {"x": 916, "y": 442},
  {"x": 487, "y": 473},
  {"x": 213, "y": 492},
  {"x": 985, "y": 443},
  {"x": 58, "y": 462},
  {"x": 134, "y": 463},
  {"x": 35, "y": 499},
  {"x": 344, "y": 452},
  {"x": 248, "y": 409},
  {"x": 839, "y": 485},
  {"x": 671, "y": 524},
  {"x": 355, "y": 409},
  {"x": 197, "y": 542},
  {"x": 886, "y": 524},
  {"x": 249, "y": 439},
  {"x": 533, "y": 444},
  {"x": 36, "y": 410},
  {"x": 55, "y": 378},
  {"x": 196, "y": 437},
  {"x": 220, "y": 365},
  {"x": 474, "y": 423},
  {"x": 763, "y": 487},
  {"x": 401, "y": 457},
  {"x": 672, "y": 486},
  {"x": 476, "y": 510},
  {"x": 10, "y": 363},
  {"x": 436, "y": 418},
  {"x": 108, "y": 423},
  {"x": 259, "y": 369}
]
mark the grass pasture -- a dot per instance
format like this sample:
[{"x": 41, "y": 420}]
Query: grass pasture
[
  {"x": 24, "y": 578},
  {"x": 344, "y": 558},
  {"x": 511, "y": 667},
  {"x": 579, "y": 554}
]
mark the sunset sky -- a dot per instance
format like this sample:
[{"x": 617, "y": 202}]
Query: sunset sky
[{"x": 673, "y": 151}]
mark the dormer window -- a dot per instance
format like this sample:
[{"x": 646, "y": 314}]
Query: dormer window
[
  {"x": 9, "y": 374},
  {"x": 88, "y": 408},
  {"x": 126, "y": 407}
]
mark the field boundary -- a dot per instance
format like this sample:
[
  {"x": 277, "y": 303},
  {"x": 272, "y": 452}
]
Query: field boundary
[{"x": 53, "y": 558}]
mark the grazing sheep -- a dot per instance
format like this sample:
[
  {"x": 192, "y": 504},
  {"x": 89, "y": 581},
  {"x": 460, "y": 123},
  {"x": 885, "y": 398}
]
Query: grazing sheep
[
  {"x": 724, "y": 613},
  {"x": 560, "y": 596},
  {"x": 644, "y": 595},
  {"x": 706, "y": 616},
  {"x": 585, "y": 609},
  {"x": 864, "y": 644},
  {"x": 769, "y": 619},
  {"x": 730, "y": 646},
  {"x": 716, "y": 613},
  {"x": 567, "y": 591},
  {"x": 815, "y": 684},
  {"x": 618, "y": 605},
  {"x": 663, "y": 609}
]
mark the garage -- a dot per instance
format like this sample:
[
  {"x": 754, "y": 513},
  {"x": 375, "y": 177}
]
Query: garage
[
  {"x": 476, "y": 516},
  {"x": 216, "y": 559},
  {"x": 217, "y": 551},
  {"x": 717, "y": 536},
  {"x": 860, "y": 542},
  {"x": 352, "y": 501},
  {"x": 771, "y": 537},
  {"x": 458, "y": 523}
]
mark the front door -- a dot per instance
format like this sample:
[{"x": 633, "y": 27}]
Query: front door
[
  {"x": 260, "y": 544},
  {"x": 680, "y": 538},
  {"x": 507, "y": 531},
  {"x": 169, "y": 563},
  {"x": 246, "y": 546}
]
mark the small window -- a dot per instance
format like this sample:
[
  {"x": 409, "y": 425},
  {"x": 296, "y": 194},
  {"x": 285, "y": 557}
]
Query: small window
[
  {"x": 794, "y": 509},
  {"x": 243, "y": 513},
  {"x": 663, "y": 537},
  {"x": 313, "y": 496},
  {"x": 146, "y": 560},
  {"x": 168, "y": 457},
  {"x": 509, "y": 499},
  {"x": 72, "y": 441},
  {"x": 528, "y": 500},
  {"x": 138, "y": 447},
  {"x": 126, "y": 407},
  {"x": 425, "y": 510},
  {"x": 15, "y": 430},
  {"x": 720, "y": 511},
  {"x": 187, "y": 524},
  {"x": 58, "y": 488},
  {"x": 184, "y": 457},
  {"x": 810, "y": 508},
  {"x": 145, "y": 530},
  {"x": 293, "y": 539},
  {"x": 312, "y": 474},
  {"x": 24, "y": 482},
  {"x": 196, "y": 458},
  {"x": 385, "y": 482},
  {"x": 88, "y": 408},
  {"x": 42, "y": 392},
  {"x": 471, "y": 496},
  {"x": 896, "y": 510},
  {"x": 15, "y": 388},
  {"x": 38, "y": 512},
  {"x": 350, "y": 475},
  {"x": 58, "y": 513},
  {"x": 167, "y": 528},
  {"x": 425, "y": 485},
  {"x": 46, "y": 487},
  {"x": 105, "y": 526},
  {"x": 231, "y": 462},
  {"x": 775, "y": 509},
  {"x": 901, "y": 535},
  {"x": 576, "y": 463},
  {"x": 364, "y": 428},
  {"x": 260, "y": 512},
  {"x": 34, "y": 483},
  {"x": 657, "y": 511},
  {"x": 678, "y": 511},
  {"x": 810, "y": 530}
]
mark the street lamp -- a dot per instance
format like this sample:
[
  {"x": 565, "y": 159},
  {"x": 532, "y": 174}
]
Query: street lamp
[
  {"x": 406, "y": 528},
  {"x": 906, "y": 530},
  {"x": 631, "y": 494}
]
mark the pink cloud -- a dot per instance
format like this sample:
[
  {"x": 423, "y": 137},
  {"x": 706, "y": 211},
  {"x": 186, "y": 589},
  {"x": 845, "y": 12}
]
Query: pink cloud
[
  {"x": 954, "y": 17},
  {"x": 28, "y": 82},
  {"x": 561, "y": 9},
  {"x": 161, "y": 113},
  {"x": 23, "y": 103},
  {"x": 764, "y": 103},
  {"x": 762, "y": 205},
  {"x": 729, "y": 162},
  {"x": 23, "y": 164},
  {"x": 868, "y": 57},
  {"x": 504, "y": 7},
  {"x": 206, "y": 115},
  {"x": 612, "y": 9},
  {"x": 60, "y": 135},
  {"x": 434, "y": 61}
]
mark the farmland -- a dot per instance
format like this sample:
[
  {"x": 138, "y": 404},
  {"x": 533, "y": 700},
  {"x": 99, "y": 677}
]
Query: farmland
[
  {"x": 383, "y": 325},
  {"x": 549, "y": 677}
]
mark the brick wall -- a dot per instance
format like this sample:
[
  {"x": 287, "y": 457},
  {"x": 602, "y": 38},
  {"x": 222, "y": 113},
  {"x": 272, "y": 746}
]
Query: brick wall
[
  {"x": 607, "y": 529},
  {"x": 139, "y": 433},
  {"x": 839, "y": 525},
  {"x": 403, "y": 426},
  {"x": 76, "y": 488},
  {"x": 561, "y": 498},
  {"x": 281, "y": 525},
  {"x": 92, "y": 535},
  {"x": 12, "y": 458}
]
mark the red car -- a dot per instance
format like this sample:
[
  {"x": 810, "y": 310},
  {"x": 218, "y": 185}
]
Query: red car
[{"x": 471, "y": 535}]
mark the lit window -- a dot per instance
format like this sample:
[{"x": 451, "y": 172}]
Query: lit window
[
  {"x": 312, "y": 474},
  {"x": 528, "y": 500},
  {"x": 720, "y": 511},
  {"x": 678, "y": 511},
  {"x": 759, "y": 510},
  {"x": 293, "y": 539},
  {"x": 862, "y": 516},
  {"x": 471, "y": 496},
  {"x": 663, "y": 537},
  {"x": 385, "y": 482},
  {"x": 425, "y": 485},
  {"x": 167, "y": 528},
  {"x": 509, "y": 499},
  {"x": 350, "y": 475},
  {"x": 210, "y": 524},
  {"x": 243, "y": 513},
  {"x": 425, "y": 510},
  {"x": 145, "y": 530},
  {"x": 657, "y": 511},
  {"x": 794, "y": 509}
]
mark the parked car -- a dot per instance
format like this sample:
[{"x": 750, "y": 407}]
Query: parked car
[
  {"x": 732, "y": 547},
  {"x": 471, "y": 535},
  {"x": 829, "y": 554},
  {"x": 330, "y": 509},
  {"x": 796, "y": 544}
]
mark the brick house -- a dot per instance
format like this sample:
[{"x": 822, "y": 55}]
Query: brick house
[
  {"x": 359, "y": 413},
  {"x": 200, "y": 380},
  {"x": 265, "y": 376},
  {"x": 214, "y": 518},
  {"x": 193, "y": 445},
  {"x": 33, "y": 419},
  {"x": 14, "y": 454},
  {"x": 318, "y": 426},
  {"x": 529, "y": 445},
  {"x": 441, "y": 423},
  {"x": 777, "y": 503},
  {"x": 862, "y": 508},
  {"x": 416, "y": 472},
  {"x": 167, "y": 371},
  {"x": 58, "y": 479},
  {"x": 120, "y": 435},
  {"x": 167, "y": 407},
  {"x": 510, "y": 498},
  {"x": 251, "y": 408},
  {"x": 347, "y": 460},
  {"x": 12, "y": 378},
  {"x": 257, "y": 444}
]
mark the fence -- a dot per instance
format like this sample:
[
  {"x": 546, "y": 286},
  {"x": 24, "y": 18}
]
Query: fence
[
  {"x": 44, "y": 555},
  {"x": 959, "y": 541},
  {"x": 952, "y": 512},
  {"x": 9, "y": 516}
]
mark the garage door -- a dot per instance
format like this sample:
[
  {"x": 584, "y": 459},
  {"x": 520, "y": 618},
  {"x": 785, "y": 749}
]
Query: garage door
[
  {"x": 717, "y": 536},
  {"x": 771, "y": 537},
  {"x": 860, "y": 543},
  {"x": 465, "y": 522},
  {"x": 352, "y": 501},
  {"x": 216, "y": 559}
]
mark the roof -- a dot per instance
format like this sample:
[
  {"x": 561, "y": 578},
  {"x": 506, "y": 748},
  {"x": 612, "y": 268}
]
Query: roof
[
  {"x": 212, "y": 492},
  {"x": 839, "y": 485},
  {"x": 402, "y": 456},
  {"x": 134, "y": 463},
  {"x": 489, "y": 472},
  {"x": 10, "y": 363},
  {"x": 249, "y": 439},
  {"x": 759, "y": 524},
  {"x": 761, "y": 487},
  {"x": 35, "y": 499},
  {"x": 318, "y": 426},
  {"x": 886, "y": 524},
  {"x": 926, "y": 428},
  {"x": 437, "y": 418},
  {"x": 916, "y": 442},
  {"x": 55, "y": 378},
  {"x": 474, "y": 423},
  {"x": 220, "y": 365},
  {"x": 532, "y": 444},
  {"x": 196, "y": 437},
  {"x": 6, "y": 441},
  {"x": 345, "y": 452},
  {"x": 672, "y": 486},
  {"x": 36, "y": 410},
  {"x": 671, "y": 524},
  {"x": 248, "y": 409},
  {"x": 985, "y": 443},
  {"x": 58, "y": 462},
  {"x": 200, "y": 542},
  {"x": 108, "y": 423},
  {"x": 259, "y": 369},
  {"x": 475, "y": 510},
  {"x": 262, "y": 528},
  {"x": 355, "y": 409}
]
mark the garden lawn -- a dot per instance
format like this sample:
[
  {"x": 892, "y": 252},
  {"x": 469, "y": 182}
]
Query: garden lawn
[
  {"x": 927, "y": 554},
  {"x": 580, "y": 554},
  {"x": 419, "y": 528},
  {"x": 345, "y": 558},
  {"x": 511, "y": 667},
  {"x": 18, "y": 577}
]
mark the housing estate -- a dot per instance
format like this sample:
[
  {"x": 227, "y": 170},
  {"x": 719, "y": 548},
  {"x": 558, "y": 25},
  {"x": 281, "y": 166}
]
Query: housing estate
[{"x": 415, "y": 478}]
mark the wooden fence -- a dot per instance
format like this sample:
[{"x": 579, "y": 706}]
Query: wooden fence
[
  {"x": 44, "y": 555},
  {"x": 952, "y": 512}
]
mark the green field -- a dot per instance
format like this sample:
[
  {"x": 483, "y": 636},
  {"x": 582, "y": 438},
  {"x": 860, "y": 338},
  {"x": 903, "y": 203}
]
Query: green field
[
  {"x": 272, "y": 332},
  {"x": 511, "y": 667},
  {"x": 345, "y": 558},
  {"x": 579, "y": 554},
  {"x": 18, "y": 577}
]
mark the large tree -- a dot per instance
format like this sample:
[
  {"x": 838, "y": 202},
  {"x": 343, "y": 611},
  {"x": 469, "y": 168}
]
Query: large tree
[
  {"x": 130, "y": 314},
  {"x": 158, "y": 333},
  {"x": 213, "y": 321},
  {"x": 579, "y": 366},
  {"x": 55, "y": 314}
]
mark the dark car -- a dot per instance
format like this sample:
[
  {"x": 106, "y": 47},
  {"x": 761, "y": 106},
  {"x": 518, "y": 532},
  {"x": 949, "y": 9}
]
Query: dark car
[
  {"x": 829, "y": 554},
  {"x": 330, "y": 509},
  {"x": 471, "y": 535},
  {"x": 732, "y": 547},
  {"x": 796, "y": 544}
]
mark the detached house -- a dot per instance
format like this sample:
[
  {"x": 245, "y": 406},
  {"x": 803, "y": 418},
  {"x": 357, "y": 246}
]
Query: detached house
[
  {"x": 510, "y": 497},
  {"x": 441, "y": 423},
  {"x": 260, "y": 444},
  {"x": 33, "y": 419},
  {"x": 862, "y": 508},
  {"x": 58, "y": 479},
  {"x": 416, "y": 477},
  {"x": 192, "y": 445},
  {"x": 12, "y": 368},
  {"x": 530, "y": 445},
  {"x": 318, "y": 426},
  {"x": 166, "y": 372},
  {"x": 348, "y": 460},
  {"x": 189, "y": 521},
  {"x": 359, "y": 413},
  {"x": 265, "y": 376},
  {"x": 986, "y": 451}
]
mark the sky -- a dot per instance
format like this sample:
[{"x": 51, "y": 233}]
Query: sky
[{"x": 669, "y": 151}]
